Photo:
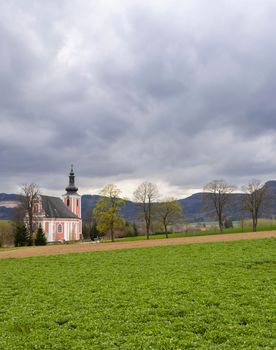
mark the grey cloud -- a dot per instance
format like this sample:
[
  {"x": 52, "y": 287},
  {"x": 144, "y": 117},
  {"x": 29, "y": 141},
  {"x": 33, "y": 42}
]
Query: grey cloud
[{"x": 181, "y": 92}]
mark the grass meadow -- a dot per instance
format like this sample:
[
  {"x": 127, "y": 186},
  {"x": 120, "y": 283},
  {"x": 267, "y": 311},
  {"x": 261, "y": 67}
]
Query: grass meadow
[
  {"x": 263, "y": 226},
  {"x": 201, "y": 296}
]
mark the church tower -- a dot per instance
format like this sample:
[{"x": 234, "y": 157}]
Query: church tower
[{"x": 71, "y": 198}]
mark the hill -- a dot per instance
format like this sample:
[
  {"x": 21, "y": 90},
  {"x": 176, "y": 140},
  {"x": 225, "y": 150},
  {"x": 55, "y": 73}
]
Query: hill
[
  {"x": 192, "y": 206},
  {"x": 129, "y": 211},
  {"x": 7, "y": 204}
]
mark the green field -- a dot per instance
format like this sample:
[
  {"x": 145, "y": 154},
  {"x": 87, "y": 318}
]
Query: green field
[
  {"x": 204, "y": 296},
  {"x": 236, "y": 229}
]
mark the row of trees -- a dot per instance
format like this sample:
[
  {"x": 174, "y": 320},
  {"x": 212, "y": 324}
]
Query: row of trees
[
  {"x": 107, "y": 217},
  {"x": 23, "y": 237},
  {"x": 217, "y": 199},
  {"x": 17, "y": 234}
]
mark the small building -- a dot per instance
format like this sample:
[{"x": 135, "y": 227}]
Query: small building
[{"x": 61, "y": 218}]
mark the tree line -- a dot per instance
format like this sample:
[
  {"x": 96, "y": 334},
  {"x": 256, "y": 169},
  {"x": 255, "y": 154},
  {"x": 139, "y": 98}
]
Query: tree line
[
  {"x": 216, "y": 200},
  {"x": 106, "y": 217}
]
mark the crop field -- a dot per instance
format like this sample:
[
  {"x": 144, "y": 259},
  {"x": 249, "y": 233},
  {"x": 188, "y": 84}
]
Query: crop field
[{"x": 203, "y": 296}]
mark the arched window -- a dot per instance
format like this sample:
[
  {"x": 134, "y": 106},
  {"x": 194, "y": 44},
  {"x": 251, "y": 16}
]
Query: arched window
[
  {"x": 68, "y": 201},
  {"x": 59, "y": 228},
  {"x": 77, "y": 202}
]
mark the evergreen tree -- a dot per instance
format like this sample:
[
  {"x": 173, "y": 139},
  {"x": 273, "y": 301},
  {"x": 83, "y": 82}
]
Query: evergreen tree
[
  {"x": 94, "y": 232},
  {"x": 40, "y": 238},
  {"x": 30, "y": 240},
  {"x": 21, "y": 235}
]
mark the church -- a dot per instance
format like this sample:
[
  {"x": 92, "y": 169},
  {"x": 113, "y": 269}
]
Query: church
[{"x": 59, "y": 218}]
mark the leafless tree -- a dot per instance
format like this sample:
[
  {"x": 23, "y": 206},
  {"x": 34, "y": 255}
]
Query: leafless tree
[
  {"x": 19, "y": 213},
  {"x": 216, "y": 198},
  {"x": 145, "y": 196},
  {"x": 255, "y": 200},
  {"x": 30, "y": 199},
  {"x": 168, "y": 212}
]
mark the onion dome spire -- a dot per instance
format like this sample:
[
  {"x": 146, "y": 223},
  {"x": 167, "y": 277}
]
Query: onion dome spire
[{"x": 71, "y": 188}]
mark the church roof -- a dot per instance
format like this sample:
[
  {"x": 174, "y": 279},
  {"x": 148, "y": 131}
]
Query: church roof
[{"x": 55, "y": 208}]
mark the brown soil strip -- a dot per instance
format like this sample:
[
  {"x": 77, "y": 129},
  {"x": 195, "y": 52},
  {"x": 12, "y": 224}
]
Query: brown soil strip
[{"x": 95, "y": 247}]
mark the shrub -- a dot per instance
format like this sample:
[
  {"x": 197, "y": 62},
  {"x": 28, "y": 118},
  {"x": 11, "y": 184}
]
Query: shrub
[
  {"x": 21, "y": 235},
  {"x": 40, "y": 238},
  {"x": 6, "y": 234}
]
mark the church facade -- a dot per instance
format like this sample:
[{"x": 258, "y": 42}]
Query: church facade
[{"x": 60, "y": 218}]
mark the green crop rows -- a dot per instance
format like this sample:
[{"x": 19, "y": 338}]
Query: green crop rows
[{"x": 205, "y": 296}]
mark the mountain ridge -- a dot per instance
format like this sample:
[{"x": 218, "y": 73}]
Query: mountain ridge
[{"x": 191, "y": 206}]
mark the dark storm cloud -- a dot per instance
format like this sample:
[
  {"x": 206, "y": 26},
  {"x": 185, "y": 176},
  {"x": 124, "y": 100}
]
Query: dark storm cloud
[{"x": 172, "y": 91}]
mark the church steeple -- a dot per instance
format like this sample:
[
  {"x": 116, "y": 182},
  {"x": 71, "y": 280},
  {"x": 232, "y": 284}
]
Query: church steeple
[
  {"x": 71, "y": 188},
  {"x": 71, "y": 198}
]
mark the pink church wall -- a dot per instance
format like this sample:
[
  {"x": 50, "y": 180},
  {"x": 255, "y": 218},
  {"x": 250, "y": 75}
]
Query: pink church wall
[
  {"x": 78, "y": 207},
  {"x": 71, "y": 229},
  {"x": 74, "y": 204},
  {"x": 59, "y": 235},
  {"x": 70, "y": 203}
]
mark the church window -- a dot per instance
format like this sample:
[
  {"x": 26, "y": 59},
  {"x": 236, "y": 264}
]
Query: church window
[
  {"x": 68, "y": 202},
  {"x": 77, "y": 202},
  {"x": 59, "y": 228}
]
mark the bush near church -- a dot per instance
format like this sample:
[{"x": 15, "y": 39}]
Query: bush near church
[
  {"x": 6, "y": 234},
  {"x": 40, "y": 238},
  {"x": 22, "y": 237}
]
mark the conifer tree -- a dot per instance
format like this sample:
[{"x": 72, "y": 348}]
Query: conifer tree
[
  {"x": 30, "y": 240},
  {"x": 21, "y": 235},
  {"x": 40, "y": 238}
]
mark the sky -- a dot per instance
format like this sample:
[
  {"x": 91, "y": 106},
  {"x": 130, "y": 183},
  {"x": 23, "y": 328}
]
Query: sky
[{"x": 169, "y": 91}]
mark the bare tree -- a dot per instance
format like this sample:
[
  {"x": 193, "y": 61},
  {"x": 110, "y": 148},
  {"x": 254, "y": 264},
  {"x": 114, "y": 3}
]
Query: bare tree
[
  {"x": 255, "y": 200},
  {"x": 145, "y": 195},
  {"x": 216, "y": 198},
  {"x": 168, "y": 212},
  {"x": 19, "y": 213},
  {"x": 29, "y": 202}
]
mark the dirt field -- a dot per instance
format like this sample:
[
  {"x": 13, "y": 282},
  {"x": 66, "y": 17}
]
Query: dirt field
[{"x": 94, "y": 247}]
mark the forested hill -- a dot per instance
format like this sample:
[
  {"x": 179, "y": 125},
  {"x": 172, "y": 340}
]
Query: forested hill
[
  {"x": 8, "y": 197},
  {"x": 192, "y": 206},
  {"x": 129, "y": 210},
  {"x": 7, "y": 204}
]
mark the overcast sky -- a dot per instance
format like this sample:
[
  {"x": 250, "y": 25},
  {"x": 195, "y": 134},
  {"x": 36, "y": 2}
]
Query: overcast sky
[{"x": 173, "y": 92}]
